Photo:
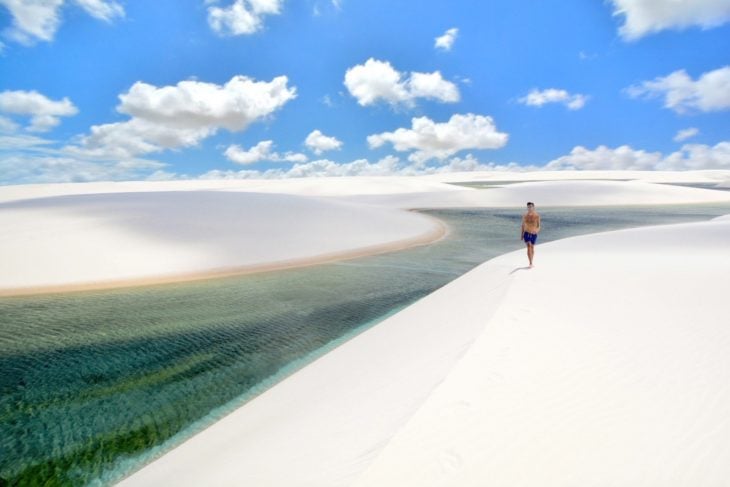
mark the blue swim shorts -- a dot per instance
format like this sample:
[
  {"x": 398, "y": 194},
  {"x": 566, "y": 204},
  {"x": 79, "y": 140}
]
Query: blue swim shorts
[{"x": 529, "y": 237}]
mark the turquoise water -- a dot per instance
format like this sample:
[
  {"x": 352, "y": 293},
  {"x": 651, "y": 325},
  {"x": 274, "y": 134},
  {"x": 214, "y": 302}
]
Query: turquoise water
[{"x": 94, "y": 384}]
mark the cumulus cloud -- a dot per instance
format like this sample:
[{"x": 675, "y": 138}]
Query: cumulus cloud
[
  {"x": 19, "y": 141},
  {"x": 377, "y": 80},
  {"x": 387, "y": 166},
  {"x": 432, "y": 140},
  {"x": 690, "y": 156},
  {"x": 359, "y": 167},
  {"x": 135, "y": 137},
  {"x": 24, "y": 169},
  {"x": 710, "y": 92},
  {"x": 699, "y": 156},
  {"x": 39, "y": 20},
  {"x": 603, "y": 157},
  {"x": 183, "y": 115},
  {"x": 255, "y": 154},
  {"x": 196, "y": 104},
  {"x": 446, "y": 41},
  {"x": 7, "y": 125},
  {"x": 261, "y": 152},
  {"x": 242, "y": 17},
  {"x": 685, "y": 134},
  {"x": 538, "y": 98},
  {"x": 318, "y": 143},
  {"x": 44, "y": 113},
  {"x": 642, "y": 17}
]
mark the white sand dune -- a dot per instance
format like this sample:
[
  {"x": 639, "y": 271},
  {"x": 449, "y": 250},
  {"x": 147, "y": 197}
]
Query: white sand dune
[
  {"x": 359, "y": 186},
  {"x": 111, "y": 234},
  {"x": 551, "y": 193},
  {"x": 607, "y": 364},
  {"x": 609, "y": 397},
  {"x": 112, "y": 239}
]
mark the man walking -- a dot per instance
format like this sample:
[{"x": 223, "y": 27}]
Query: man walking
[{"x": 530, "y": 229}]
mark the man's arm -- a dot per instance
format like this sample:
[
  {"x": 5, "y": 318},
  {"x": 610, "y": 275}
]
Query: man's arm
[
  {"x": 539, "y": 226},
  {"x": 522, "y": 229}
]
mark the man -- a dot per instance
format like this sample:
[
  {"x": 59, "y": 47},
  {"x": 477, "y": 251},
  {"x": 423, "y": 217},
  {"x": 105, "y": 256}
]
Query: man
[{"x": 530, "y": 229}]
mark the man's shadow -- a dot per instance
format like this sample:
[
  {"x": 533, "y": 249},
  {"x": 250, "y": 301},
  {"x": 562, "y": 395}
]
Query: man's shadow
[{"x": 520, "y": 269}]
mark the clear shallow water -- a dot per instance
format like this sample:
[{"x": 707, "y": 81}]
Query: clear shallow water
[{"x": 93, "y": 384}]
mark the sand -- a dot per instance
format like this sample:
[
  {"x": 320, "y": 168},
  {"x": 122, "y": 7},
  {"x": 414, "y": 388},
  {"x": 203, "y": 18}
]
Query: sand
[
  {"x": 100, "y": 235},
  {"x": 605, "y": 364},
  {"x": 106, "y": 240}
]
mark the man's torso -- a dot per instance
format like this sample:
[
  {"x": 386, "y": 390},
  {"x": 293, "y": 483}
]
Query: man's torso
[{"x": 532, "y": 222}]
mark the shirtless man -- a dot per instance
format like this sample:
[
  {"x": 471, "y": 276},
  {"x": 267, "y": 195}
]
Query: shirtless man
[{"x": 530, "y": 229}]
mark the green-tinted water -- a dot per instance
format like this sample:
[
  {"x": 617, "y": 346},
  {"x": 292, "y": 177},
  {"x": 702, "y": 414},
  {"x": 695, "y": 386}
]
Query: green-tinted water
[{"x": 92, "y": 384}]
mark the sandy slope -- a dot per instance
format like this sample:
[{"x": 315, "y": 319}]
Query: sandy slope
[{"x": 606, "y": 364}]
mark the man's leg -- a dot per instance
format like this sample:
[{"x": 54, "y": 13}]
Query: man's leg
[{"x": 530, "y": 252}]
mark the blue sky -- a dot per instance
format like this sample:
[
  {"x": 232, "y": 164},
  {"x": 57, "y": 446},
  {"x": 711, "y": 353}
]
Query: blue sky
[{"x": 122, "y": 90}]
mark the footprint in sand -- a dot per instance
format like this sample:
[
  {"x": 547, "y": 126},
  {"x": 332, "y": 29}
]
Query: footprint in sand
[{"x": 450, "y": 461}]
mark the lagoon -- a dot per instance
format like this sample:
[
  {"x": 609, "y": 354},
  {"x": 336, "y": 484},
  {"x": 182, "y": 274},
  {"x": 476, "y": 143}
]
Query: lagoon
[{"x": 94, "y": 384}]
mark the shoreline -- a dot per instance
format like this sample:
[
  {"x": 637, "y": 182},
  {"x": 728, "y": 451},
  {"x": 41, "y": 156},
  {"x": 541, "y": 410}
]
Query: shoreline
[
  {"x": 437, "y": 233},
  {"x": 427, "y": 373}
]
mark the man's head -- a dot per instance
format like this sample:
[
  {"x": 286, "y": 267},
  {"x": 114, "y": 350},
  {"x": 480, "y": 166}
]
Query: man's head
[{"x": 530, "y": 205}]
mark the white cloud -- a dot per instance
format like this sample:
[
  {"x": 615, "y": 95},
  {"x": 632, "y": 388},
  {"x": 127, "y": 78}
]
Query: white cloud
[
  {"x": 586, "y": 56},
  {"x": 318, "y": 143},
  {"x": 360, "y": 167},
  {"x": 441, "y": 140},
  {"x": 134, "y": 137},
  {"x": 538, "y": 98},
  {"x": 104, "y": 10},
  {"x": 33, "y": 20},
  {"x": 685, "y": 134},
  {"x": 24, "y": 169},
  {"x": 603, "y": 157},
  {"x": 44, "y": 113},
  {"x": 242, "y": 17},
  {"x": 378, "y": 80},
  {"x": 699, "y": 156},
  {"x": 7, "y": 125},
  {"x": 446, "y": 41},
  {"x": 23, "y": 142},
  {"x": 261, "y": 152},
  {"x": 690, "y": 156},
  {"x": 387, "y": 166},
  {"x": 293, "y": 157},
  {"x": 196, "y": 104},
  {"x": 39, "y": 19},
  {"x": 432, "y": 85},
  {"x": 470, "y": 163},
  {"x": 183, "y": 115},
  {"x": 711, "y": 92},
  {"x": 642, "y": 17}
]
